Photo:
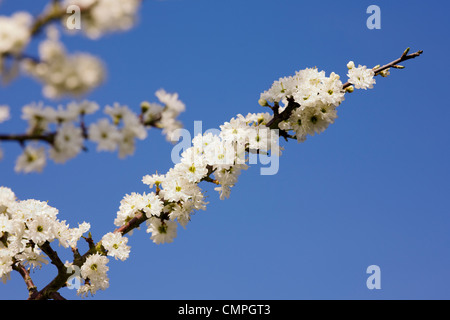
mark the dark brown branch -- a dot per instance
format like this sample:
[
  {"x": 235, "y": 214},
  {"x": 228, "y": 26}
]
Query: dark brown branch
[
  {"x": 51, "y": 290},
  {"x": 26, "y": 277},
  {"x": 50, "y": 136},
  {"x": 19, "y": 57},
  {"x": 60, "y": 279},
  {"x": 292, "y": 105},
  {"x": 63, "y": 275},
  {"x": 53, "y": 255},
  {"x": 21, "y": 138},
  {"x": 56, "y": 284},
  {"x": 56, "y": 296},
  {"x": 134, "y": 223}
]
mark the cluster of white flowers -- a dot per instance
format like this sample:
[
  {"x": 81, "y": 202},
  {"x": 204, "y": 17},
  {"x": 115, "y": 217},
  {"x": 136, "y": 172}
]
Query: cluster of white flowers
[
  {"x": 178, "y": 195},
  {"x": 121, "y": 133},
  {"x": 166, "y": 113},
  {"x": 116, "y": 245},
  {"x": 94, "y": 271},
  {"x": 14, "y": 32},
  {"x": 103, "y": 16},
  {"x": 317, "y": 95},
  {"x": 63, "y": 74},
  {"x": 117, "y": 132},
  {"x": 67, "y": 140},
  {"x": 361, "y": 77},
  {"x": 25, "y": 226},
  {"x": 32, "y": 159},
  {"x": 307, "y": 87}
]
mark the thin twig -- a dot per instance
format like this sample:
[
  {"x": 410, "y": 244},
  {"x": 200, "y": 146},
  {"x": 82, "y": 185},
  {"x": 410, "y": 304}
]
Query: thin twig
[{"x": 393, "y": 64}]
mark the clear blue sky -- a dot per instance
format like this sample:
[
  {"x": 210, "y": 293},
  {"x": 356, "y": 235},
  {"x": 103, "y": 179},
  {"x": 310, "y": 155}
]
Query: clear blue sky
[{"x": 372, "y": 189}]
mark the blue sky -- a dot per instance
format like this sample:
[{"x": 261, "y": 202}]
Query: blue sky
[{"x": 370, "y": 190}]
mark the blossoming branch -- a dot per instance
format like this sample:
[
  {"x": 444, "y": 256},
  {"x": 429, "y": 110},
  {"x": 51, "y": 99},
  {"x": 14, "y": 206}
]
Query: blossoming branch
[
  {"x": 64, "y": 129},
  {"x": 302, "y": 105}
]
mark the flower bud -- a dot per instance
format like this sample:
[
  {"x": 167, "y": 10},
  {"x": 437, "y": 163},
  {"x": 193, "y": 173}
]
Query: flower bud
[
  {"x": 385, "y": 73},
  {"x": 263, "y": 102}
]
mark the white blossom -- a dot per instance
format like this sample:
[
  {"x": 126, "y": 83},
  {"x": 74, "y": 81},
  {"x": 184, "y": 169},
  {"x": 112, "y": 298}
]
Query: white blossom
[
  {"x": 193, "y": 166},
  {"x": 6, "y": 262},
  {"x": 152, "y": 180},
  {"x": 106, "y": 16},
  {"x": 105, "y": 134},
  {"x": 31, "y": 257},
  {"x": 31, "y": 160},
  {"x": 361, "y": 77},
  {"x": 117, "y": 112},
  {"x": 130, "y": 205},
  {"x": 68, "y": 143},
  {"x": 132, "y": 126},
  {"x": 5, "y": 224},
  {"x": 63, "y": 74},
  {"x": 235, "y": 130},
  {"x": 170, "y": 101},
  {"x": 95, "y": 270},
  {"x": 73, "y": 235},
  {"x": 116, "y": 245},
  {"x": 162, "y": 231},
  {"x": 176, "y": 187},
  {"x": 152, "y": 205},
  {"x": 7, "y": 198},
  {"x": 4, "y": 113},
  {"x": 40, "y": 229},
  {"x": 14, "y": 32},
  {"x": 84, "y": 107},
  {"x": 38, "y": 116}
]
